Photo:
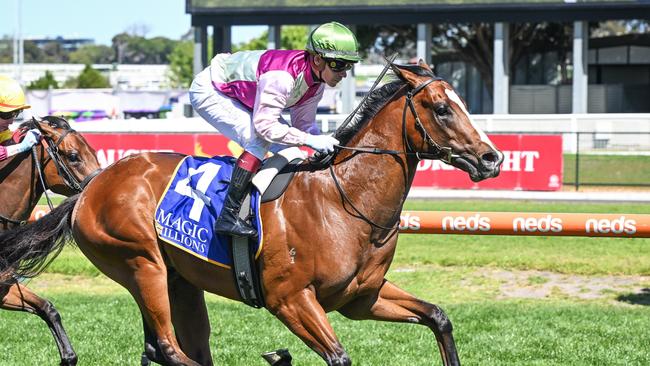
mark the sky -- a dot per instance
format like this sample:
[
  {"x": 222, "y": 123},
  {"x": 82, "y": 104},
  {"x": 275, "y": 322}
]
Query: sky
[{"x": 101, "y": 20}]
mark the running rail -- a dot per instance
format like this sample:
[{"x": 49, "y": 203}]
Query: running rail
[
  {"x": 525, "y": 223},
  {"x": 511, "y": 223}
]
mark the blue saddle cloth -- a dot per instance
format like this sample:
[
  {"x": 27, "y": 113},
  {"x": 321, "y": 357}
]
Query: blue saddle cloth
[{"x": 188, "y": 208}]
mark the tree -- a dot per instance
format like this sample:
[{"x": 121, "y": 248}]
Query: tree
[
  {"x": 471, "y": 43},
  {"x": 130, "y": 49},
  {"x": 54, "y": 53},
  {"x": 258, "y": 43},
  {"x": 33, "y": 53},
  {"x": 44, "y": 82},
  {"x": 92, "y": 54},
  {"x": 377, "y": 41},
  {"x": 6, "y": 50},
  {"x": 91, "y": 78},
  {"x": 292, "y": 37},
  {"x": 181, "y": 70}
]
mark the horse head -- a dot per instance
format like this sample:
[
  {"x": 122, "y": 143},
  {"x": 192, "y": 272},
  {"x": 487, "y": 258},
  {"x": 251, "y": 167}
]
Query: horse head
[
  {"x": 437, "y": 124},
  {"x": 70, "y": 161}
]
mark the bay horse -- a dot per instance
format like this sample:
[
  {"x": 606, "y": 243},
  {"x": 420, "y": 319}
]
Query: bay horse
[
  {"x": 65, "y": 161},
  {"x": 328, "y": 240}
]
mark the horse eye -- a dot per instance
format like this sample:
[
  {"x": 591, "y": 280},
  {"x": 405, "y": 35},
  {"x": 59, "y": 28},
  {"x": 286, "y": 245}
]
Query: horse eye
[
  {"x": 73, "y": 157},
  {"x": 442, "y": 109}
]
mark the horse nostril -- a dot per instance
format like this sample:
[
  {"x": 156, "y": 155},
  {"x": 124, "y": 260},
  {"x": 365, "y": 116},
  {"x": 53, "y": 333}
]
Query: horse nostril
[{"x": 490, "y": 159}]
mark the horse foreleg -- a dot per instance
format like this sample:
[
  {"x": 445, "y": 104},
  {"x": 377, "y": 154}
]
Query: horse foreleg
[
  {"x": 396, "y": 305},
  {"x": 19, "y": 298},
  {"x": 305, "y": 317},
  {"x": 190, "y": 319}
]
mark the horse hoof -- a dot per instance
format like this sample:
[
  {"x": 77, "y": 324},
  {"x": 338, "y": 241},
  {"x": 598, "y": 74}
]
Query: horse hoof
[
  {"x": 69, "y": 361},
  {"x": 281, "y": 357},
  {"x": 144, "y": 360}
]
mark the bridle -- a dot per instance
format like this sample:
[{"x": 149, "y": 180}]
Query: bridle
[
  {"x": 442, "y": 153},
  {"x": 52, "y": 148}
]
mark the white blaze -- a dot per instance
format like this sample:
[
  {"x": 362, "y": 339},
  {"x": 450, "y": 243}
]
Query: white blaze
[{"x": 456, "y": 99}]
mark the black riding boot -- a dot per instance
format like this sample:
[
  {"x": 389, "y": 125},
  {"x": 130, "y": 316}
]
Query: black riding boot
[{"x": 229, "y": 222}]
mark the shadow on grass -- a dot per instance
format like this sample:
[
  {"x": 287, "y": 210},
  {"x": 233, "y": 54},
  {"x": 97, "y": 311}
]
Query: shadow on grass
[{"x": 641, "y": 298}]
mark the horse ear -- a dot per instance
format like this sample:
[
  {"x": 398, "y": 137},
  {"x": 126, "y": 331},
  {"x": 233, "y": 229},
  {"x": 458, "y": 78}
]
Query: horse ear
[
  {"x": 424, "y": 65},
  {"x": 405, "y": 75}
]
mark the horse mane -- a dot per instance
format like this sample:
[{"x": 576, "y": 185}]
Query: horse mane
[
  {"x": 376, "y": 101},
  {"x": 53, "y": 121}
]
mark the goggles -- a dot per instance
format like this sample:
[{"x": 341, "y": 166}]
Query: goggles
[
  {"x": 338, "y": 65},
  {"x": 10, "y": 115}
]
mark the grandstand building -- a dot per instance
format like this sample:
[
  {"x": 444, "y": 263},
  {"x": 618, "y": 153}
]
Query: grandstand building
[{"x": 608, "y": 75}]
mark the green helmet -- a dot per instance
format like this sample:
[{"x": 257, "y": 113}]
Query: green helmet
[{"x": 334, "y": 40}]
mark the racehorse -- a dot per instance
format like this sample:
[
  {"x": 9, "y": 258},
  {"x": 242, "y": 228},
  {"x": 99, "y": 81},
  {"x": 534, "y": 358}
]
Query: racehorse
[
  {"x": 64, "y": 161},
  {"x": 328, "y": 240}
]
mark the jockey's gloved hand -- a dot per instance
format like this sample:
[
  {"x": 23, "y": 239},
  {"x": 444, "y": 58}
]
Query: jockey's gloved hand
[
  {"x": 32, "y": 137},
  {"x": 324, "y": 144}
]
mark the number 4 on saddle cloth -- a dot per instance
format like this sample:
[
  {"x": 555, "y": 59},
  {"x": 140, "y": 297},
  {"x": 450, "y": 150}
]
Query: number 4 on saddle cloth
[{"x": 186, "y": 212}]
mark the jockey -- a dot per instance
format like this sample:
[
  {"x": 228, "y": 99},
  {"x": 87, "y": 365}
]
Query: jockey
[
  {"x": 243, "y": 95},
  {"x": 12, "y": 103}
]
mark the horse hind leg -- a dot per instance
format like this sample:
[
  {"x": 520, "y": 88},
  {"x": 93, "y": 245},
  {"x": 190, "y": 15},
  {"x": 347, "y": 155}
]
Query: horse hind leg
[
  {"x": 151, "y": 350},
  {"x": 191, "y": 323},
  {"x": 190, "y": 318},
  {"x": 149, "y": 289},
  {"x": 145, "y": 277},
  {"x": 396, "y": 305},
  {"x": 19, "y": 298}
]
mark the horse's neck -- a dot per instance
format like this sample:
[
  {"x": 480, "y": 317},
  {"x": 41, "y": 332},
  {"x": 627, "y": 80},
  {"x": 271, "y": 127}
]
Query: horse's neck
[
  {"x": 19, "y": 187},
  {"x": 379, "y": 182}
]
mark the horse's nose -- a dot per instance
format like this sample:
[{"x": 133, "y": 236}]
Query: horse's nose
[{"x": 491, "y": 159}]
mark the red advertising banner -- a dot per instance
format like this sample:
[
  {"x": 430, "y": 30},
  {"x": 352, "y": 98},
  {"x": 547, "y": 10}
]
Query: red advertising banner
[{"x": 531, "y": 162}]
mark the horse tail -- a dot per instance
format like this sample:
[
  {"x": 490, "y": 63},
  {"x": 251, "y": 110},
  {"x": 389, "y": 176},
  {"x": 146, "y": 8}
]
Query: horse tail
[{"x": 27, "y": 250}]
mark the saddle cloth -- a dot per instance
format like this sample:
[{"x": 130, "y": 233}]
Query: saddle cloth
[{"x": 188, "y": 208}]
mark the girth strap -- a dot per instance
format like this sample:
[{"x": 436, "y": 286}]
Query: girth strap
[{"x": 245, "y": 270}]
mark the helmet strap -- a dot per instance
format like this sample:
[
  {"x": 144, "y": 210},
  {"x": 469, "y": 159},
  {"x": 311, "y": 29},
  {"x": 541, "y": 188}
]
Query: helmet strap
[{"x": 318, "y": 76}]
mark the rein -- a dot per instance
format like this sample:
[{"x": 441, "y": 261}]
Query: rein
[
  {"x": 443, "y": 153},
  {"x": 12, "y": 221}
]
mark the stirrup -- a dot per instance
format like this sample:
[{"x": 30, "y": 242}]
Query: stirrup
[{"x": 237, "y": 228}]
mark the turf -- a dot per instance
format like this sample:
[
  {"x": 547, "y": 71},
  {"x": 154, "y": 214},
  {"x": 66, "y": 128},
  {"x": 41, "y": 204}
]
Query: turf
[{"x": 466, "y": 275}]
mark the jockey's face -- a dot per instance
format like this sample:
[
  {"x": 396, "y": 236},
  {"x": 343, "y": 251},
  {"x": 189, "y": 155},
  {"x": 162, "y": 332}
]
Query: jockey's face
[
  {"x": 329, "y": 76},
  {"x": 4, "y": 123}
]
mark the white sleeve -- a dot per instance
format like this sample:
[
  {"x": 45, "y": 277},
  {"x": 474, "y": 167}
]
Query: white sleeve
[
  {"x": 273, "y": 90},
  {"x": 303, "y": 116}
]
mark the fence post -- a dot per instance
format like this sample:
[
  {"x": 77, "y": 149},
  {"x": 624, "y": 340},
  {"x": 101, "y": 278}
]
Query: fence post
[{"x": 577, "y": 179}]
